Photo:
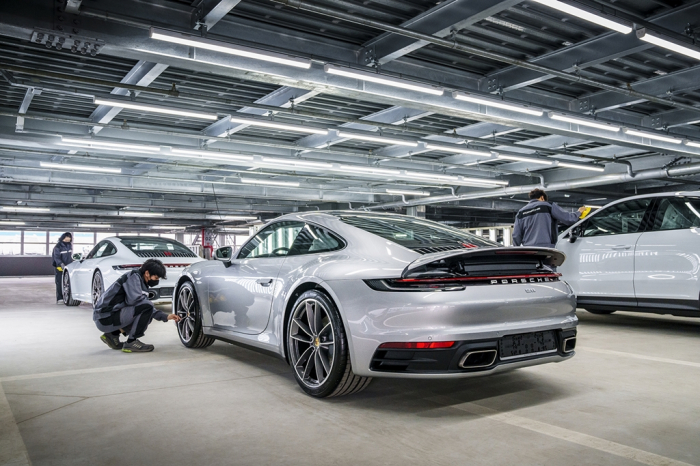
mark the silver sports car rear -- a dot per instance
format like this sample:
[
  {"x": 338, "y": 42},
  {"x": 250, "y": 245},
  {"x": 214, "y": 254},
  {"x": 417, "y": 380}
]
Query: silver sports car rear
[{"x": 347, "y": 296}]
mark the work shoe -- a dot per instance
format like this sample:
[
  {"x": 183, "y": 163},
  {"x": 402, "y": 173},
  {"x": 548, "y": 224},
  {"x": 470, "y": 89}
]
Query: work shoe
[
  {"x": 112, "y": 341},
  {"x": 137, "y": 347}
]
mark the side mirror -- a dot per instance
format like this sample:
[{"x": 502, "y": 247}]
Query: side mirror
[
  {"x": 572, "y": 237},
  {"x": 224, "y": 254},
  {"x": 77, "y": 256}
]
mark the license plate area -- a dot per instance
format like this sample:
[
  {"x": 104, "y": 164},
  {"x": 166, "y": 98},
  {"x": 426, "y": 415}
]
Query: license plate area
[{"x": 527, "y": 344}]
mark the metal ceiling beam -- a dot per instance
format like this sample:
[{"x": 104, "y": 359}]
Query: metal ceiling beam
[
  {"x": 283, "y": 97},
  {"x": 439, "y": 21},
  {"x": 142, "y": 74},
  {"x": 588, "y": 53},
  {"x": 672, "y": 119},
  {"x": 24, "y": 106},
  {"x": 209, "y": 12}
]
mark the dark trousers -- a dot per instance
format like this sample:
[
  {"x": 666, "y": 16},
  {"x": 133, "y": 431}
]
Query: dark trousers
[
  {"x": 133, "y": 320},
  {"x": 59, "y": 285}
]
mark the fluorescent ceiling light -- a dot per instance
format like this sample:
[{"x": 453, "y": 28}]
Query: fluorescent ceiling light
[
  {"x": 584, "y": 122},
  {"x": 586, "y": 15},
  {"x": 94, "y": 225},
  {"x": 231, "y": 49},
  {"x": 593, "y": 168},
  {"x": 380, "y": 139},
  {"x": 231, "y": 217},
  {"x": 368, "y": 170},
  {"x": 10, "y": 222},
  {"x": 280, "y": 126},
  {"x": 166, "y": 227},
  {"x": 669, "y": 44},
  {"x": 483, "y": 181},
  {"x": 658, "y": 137},
  {"x": 457, "y": 150},
  {"x": 90, "y": 143},
  {"x": 381, "y": 79},
  {"x": 292, "y": 184},
  {"x": 522, "y": 158},
  {"x": 26, "y": 209},
  {"x": 296, "y": 163},
  {"x": 498, "y": 104},
  {"x": 154, "y": 108},
  {"x": 692, "y": 143},
  {"x": 126, "y": 213},
  {"x": 408, "y": 193},
  {"x": 210, "y": 154},
  {"x": 83, "y": 168}
]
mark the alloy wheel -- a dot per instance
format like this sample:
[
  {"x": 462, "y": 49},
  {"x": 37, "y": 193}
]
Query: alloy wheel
[
  {"x": 97, "y": 288},
  {"x": 65, "y": 281},
  {"x": 185, "y": 309},
  {"x": 312, "y": 344}
]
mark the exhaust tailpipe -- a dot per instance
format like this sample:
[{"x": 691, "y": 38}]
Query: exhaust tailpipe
[
  {"x": 477, "y": 359},
  {"x": 569, "y": 344}
]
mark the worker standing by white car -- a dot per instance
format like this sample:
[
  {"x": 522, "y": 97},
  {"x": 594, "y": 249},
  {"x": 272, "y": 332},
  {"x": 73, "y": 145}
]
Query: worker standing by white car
[
  {"x": 536, "y": 223},
  {"x": 62, "y": 256}
]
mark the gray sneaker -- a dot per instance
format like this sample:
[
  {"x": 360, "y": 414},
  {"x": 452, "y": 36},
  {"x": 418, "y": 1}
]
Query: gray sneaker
[
  {"x": 112, "y": 341},
  {"x": 137, "y": 347}
]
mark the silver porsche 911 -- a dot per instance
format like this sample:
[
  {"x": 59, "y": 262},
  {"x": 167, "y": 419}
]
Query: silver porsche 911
[{"x": 345, "y": 296}]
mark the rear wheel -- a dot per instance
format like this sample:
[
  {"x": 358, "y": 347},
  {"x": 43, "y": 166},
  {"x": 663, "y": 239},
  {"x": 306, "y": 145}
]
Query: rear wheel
[
  {"x": 318, "y": 348},
  {"x": 98, "y": 288},
  {"x": 190, "y": 326},
  {"x": 67, "y": 297}
]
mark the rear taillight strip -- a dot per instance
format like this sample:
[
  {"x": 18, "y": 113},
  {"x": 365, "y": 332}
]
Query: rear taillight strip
[{"x": 471, "y": 279}]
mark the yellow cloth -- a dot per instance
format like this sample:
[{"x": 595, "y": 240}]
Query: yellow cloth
[
  {"x": 60, "y": 269},
  {"x": 585, "y": 212}
]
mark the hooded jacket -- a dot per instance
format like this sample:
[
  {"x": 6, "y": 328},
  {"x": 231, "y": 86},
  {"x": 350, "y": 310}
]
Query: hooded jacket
[{"x": 63, "y": 252}]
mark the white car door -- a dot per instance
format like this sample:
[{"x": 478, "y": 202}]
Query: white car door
[
  {"x": 81, "y": 279},
  {"x": 667, "y": 270},
  {"x": 599, "y": 264}
]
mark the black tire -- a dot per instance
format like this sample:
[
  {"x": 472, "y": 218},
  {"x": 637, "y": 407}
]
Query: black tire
[
  {"x": 322, "y": 343},
  {"x": 599, "y": 311},
  {"x": 67, "y": 296},
  {"x": 97, "y": 288},
  {"x": 189, "y": 329}
]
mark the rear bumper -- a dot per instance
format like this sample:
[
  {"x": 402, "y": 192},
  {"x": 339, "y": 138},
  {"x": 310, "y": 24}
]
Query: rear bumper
[{"x": 475, "y": 316}]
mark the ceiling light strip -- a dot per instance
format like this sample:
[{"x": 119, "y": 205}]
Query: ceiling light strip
[
  {"x": 291, "y": 184},
  {"x": 673, "y": 45},
  {"x": 586, "y": 15},
  {"x": 155, "y": 109},
  {"x": 653, "y": 136},
  {"x": 407, "y": 193},
  {"x": 93, "y": 144},
  {"x": 498, "y": 104},
  {"x": 584, "y": 122},
  {"x": 280, "y": 126},
  {"x": 230, "y": 49},
  {"x": 382, "y": 79},
  {"x": 379, "y": 139},
  {"x": 83, "y": 168}
]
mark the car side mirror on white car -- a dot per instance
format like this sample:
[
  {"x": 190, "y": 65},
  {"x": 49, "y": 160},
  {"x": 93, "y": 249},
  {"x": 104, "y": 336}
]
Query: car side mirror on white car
[{"x": 77, "y": 256}]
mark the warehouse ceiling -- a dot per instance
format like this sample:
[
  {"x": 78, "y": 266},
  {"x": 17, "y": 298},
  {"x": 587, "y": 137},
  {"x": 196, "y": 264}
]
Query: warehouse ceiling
[{"x": 225, "y": 113}]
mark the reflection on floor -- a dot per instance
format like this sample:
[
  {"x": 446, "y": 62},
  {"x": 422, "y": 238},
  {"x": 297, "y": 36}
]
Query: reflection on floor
[{"x": 628, "y": 397}]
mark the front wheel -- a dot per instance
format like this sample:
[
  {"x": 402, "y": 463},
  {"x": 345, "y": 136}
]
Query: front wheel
[
  {"x": 190, "y": 326},
  {"x": 318, "y": 348},
  {"x": 98, "y": 288},
  {"x": 67, "y": 297}
]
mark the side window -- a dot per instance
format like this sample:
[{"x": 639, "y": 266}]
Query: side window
[
  {"x": 104, "y": 246},
  {"x": 274, "y": 241},
  {"x": 312, "y": 239},
  {"x": 109, "y": 251},
  {"x": 619, "y": 219},
  {"x": 100, "y": 246},
  {"x": 676, "y": 213}
]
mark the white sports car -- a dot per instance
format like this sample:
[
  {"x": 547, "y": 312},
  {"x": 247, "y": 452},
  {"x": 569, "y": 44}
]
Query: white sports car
[{"x": 87, "y": 278}]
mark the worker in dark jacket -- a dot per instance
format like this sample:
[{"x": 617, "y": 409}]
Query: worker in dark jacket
[
  {"x": 62, "y": 256},
  {"x": 536, "y": 223},
  {"x": 125, "y": 308}
]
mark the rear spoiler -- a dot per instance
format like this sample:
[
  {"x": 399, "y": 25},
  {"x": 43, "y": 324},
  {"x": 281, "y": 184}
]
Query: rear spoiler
[{"x": 547, "y": 256}]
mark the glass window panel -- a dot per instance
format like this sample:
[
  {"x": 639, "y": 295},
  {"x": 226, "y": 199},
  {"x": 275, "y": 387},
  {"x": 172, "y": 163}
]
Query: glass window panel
[
  {"x": 677, "y": 213},
  {"x": 11, "y": 237},
  {"x": 149, "y": 246},
  {"x": 54, "y": 236},
  {"x": 274, "y": 241},
  {"x": 35, "y": 237},
  {"x": 83, "y": 249},
  {"x": 84, "y": 238},
  {"x": 11, "y": 249},
  {"x": 101, "y": 236},
  {"x": 312, "y": 239},
  {"x": 35, "y": 249},
  {"x": 618, "y": 219}
]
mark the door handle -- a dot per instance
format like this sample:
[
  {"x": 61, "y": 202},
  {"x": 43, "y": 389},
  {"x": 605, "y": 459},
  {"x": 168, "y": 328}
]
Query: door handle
[
  {"x": 622, "y": 246},
  {"x": 265, "y": 282}
]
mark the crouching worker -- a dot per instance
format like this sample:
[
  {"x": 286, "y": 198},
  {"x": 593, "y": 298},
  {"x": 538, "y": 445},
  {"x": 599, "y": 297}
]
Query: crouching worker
[{"x": 125, "y": 308}]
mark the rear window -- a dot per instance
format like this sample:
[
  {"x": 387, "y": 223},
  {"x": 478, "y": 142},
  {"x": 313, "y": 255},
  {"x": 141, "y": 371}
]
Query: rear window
[
  {"x": 156, "y": 247},
  {"x": 419, "y": 235}
]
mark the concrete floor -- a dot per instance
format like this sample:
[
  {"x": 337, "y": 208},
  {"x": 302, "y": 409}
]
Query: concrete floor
[{"x": 630, "y": 396}]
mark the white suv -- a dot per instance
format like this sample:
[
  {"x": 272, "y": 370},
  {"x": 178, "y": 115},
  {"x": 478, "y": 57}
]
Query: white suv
[{"x": 637, "y": 254}]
